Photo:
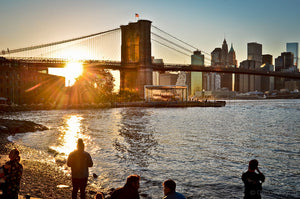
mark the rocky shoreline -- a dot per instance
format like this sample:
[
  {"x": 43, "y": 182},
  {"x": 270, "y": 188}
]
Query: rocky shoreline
[{"x": 40, "y": 179}]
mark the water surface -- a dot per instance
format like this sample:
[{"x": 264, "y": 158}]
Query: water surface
[{"x": 205, "y": 150}]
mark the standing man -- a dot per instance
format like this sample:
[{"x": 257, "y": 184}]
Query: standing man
[
  {"x": 253, "y": 181},
  {"x": 12, "y": 174},
  {"x": 79, "y": 161},
  {"x": 130, "y": 189},
  {"x": 170, "y": 190}
]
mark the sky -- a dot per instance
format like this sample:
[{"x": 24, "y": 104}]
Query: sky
[{"x": 201, "y": 23}]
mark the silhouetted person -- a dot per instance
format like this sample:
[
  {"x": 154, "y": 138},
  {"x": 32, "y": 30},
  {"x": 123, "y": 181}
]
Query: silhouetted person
[
  {"x": 130, "y": 189},
  {"x": 169, "y": 187},
  {"x": 99, "y": 195},
  {"x": 79, "y": 161},
  {"x": 12, "y": 174},
  {"x": 253, "y": 181}
]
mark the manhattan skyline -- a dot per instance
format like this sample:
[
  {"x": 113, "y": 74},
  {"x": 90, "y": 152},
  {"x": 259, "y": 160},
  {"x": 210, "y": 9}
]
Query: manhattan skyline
[{"x": 204, "y": 24}]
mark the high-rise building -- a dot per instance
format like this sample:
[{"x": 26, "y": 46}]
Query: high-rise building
[
  {"x": 249, "y": 83},
  {"x": 220, "y": 57},
  {"x": 254, "y": 52},
  {"x": 284, "y": 63},
  {"x": 197, "y": 59},
  {"x": 224, "y": 53},
  {"x": 293, "y": 48},
  {"x": 216, "y": 57},
  {"x": 211, "y": 81},
  {"x": 267, "y": 83},
  {"x": 231, "y": 58},
  {"x": 267, "y": 59}
]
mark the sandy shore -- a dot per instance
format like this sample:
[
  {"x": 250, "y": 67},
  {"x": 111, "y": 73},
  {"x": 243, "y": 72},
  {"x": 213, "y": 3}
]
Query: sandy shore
[{"x": 40, "y": 180}]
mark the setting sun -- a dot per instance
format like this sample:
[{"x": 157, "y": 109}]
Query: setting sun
[{"x": 72, "y": 71}]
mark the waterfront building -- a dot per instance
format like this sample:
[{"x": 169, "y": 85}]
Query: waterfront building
[
  {"x": 20, "y": 84},
  {"x": 293, "y": 48},
  {"x": 197, "y": 59}
]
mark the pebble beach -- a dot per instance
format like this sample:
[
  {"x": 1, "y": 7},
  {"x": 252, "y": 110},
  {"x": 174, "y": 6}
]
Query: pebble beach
[{"x": 39, "y": 179}]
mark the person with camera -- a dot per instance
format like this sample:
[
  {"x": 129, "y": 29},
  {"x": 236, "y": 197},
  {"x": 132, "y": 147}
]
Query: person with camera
[{"x": 253, "y": 180}]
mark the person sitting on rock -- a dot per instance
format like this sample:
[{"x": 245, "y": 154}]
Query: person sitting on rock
[
  {"x": 169, "y": 187},
  {"x": 130, "y": 189}
]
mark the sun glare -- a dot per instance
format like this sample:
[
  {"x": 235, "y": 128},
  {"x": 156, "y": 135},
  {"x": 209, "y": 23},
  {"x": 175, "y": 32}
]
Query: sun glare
[
  {"x": 69, "y": 134},
  {"x": 72, "y": 71}
]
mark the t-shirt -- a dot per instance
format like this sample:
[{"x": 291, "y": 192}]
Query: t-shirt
[{"x": 174, "y": 195}]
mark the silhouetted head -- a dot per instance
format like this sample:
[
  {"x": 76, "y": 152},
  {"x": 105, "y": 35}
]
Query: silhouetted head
[
  {"x": 80, "y": 145},
  {"x": 133, "y": 181},
  {"x": 14, "y": 154},
  {"x": 99, "y": 195},
  {"x": 169, "y": 186},
  {"x": 253, "y": 164}
]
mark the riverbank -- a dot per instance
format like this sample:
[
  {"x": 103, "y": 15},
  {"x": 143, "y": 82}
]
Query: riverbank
[
  {"x": 162, "y": 104},
  {"x": 39, "y": 179},
  {"x": 171, "y": 104}
]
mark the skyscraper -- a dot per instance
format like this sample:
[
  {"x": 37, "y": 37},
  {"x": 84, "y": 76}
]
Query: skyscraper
[
  {"x": 267, "y": 83},
  {"x": 220, "y": 57},
  {"x": 293, "y": 48},
  {"x": 254, "y": 61},
  {"x": 224, "y": 53},
  {"x": 255, "y": 52},
  {"x": 284, "y": 63},
  {"x": 197, "y": 59}
]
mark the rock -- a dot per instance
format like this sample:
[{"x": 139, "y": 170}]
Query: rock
[
  {"x": 19, "y": 126},
  {"x": 95, "y": 175}
]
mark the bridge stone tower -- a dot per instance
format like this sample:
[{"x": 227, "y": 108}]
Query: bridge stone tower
[{"x": 136, "y": 56}]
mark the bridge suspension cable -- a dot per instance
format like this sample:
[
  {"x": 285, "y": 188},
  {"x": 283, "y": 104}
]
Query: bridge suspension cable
[
  {"x": 56, "y": 43},
  {"x": 170, "y": 47},
  {"x": 171, "y": 42},
  {"x": 179, "y": 48},
  {"x": 195, "y": 48}
]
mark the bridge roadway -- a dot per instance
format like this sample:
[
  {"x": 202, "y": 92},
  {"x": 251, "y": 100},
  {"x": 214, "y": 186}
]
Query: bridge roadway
[{"x": 117, "y": 65}]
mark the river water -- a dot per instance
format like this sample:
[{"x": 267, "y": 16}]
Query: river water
[{"x": 205, "y": 150}]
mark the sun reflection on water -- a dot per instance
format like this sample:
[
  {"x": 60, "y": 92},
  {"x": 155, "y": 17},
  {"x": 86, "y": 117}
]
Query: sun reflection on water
[{"x": 69, "y": 134}]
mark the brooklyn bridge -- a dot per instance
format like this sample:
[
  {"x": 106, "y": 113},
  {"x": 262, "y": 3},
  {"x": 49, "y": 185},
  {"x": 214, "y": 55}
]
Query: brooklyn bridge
[{"x": 127, "y": 49}]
